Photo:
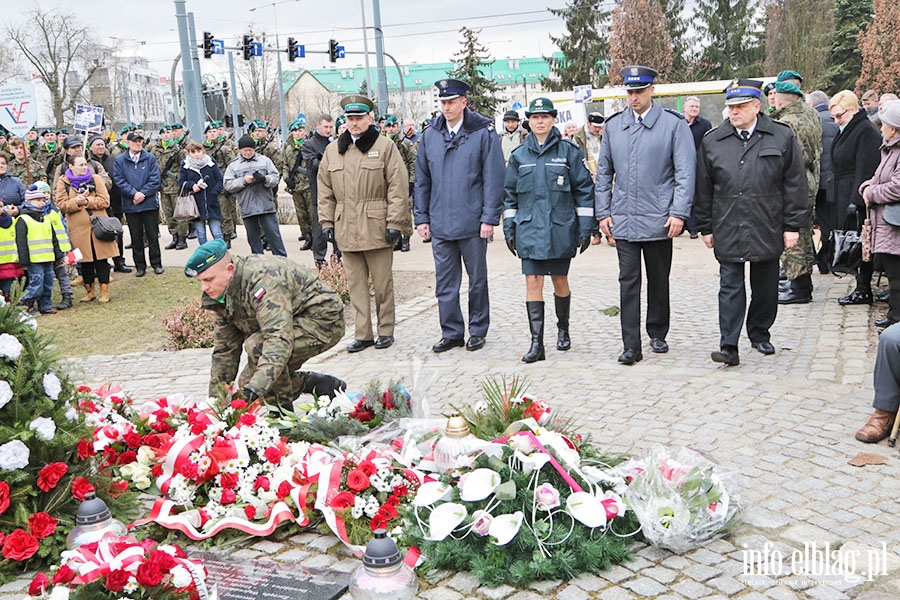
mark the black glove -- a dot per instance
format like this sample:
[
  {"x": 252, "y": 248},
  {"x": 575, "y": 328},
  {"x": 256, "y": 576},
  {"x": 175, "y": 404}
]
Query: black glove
[
  {"x": 511, "y": 244},
  {"x": 250, "y": 394},
  {"x": 392, "y": 236},
  {"x": 258, "y": 177},
  {"x": 328, "y": 232},
  {"x": 583, "y": 243}
]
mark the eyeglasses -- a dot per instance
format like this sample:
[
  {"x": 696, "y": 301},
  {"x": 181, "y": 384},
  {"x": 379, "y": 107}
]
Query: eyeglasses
[{"x": 839, "y": 116}]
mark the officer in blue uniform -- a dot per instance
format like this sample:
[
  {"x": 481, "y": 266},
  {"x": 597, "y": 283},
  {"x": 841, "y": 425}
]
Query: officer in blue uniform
[{"x": 459, "y": 189}]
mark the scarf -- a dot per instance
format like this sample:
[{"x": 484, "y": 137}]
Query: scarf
[
  {"x": 195, "y": 165},
  {"x": 78, "y": 181}
]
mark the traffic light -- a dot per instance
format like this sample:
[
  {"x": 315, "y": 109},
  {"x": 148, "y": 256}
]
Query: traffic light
[
  {"x": 245, "y": 46},
  {"x": 292, "y": 49},
  {"x": 332, "y": 50},
  {"x": 207, "y": 44}
]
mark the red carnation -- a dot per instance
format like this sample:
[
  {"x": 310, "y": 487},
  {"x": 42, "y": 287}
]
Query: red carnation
[
  {"x": 133, "y": 440},
  {"x": 2, "y": 537},
  {"x": 189, "y": 469},
  {"x": 149, "y": 574},
  {"x": 228, "y": 497},
  {"x": 110, "y": 454},
  {"x": 262, "y": 483},
  {"x": 284, "y": 488},
  {"x": 84, "y": 389},
  {"x": 361, "y": 413},
  {"x": 401, "y": 490},
  {"x": 4, "y": 496},
  {"x": 41, "y": 525},
  {"x": 378, "y": 522},
  {"x": 250, "y": 512},
  {"x": 117, "y": 488},
  {"x": 248, "y": 419},
  {"x": 387, "y": 511},
  {"x": 229, "y": 481},
  {"x": 50, "y": 475},
  {"x": 367, "y": 467},
  {"x": 127, "y": 457},
  {"x": 393, "y": 500},
  {"x": 156, "y": 470},
  {"x": 85, "y": 449},
  {"x": 20, "y": 545},
  {"x": 238, "y": 403},
  {"x": 39, "y": 585},
  {"x": 273, "y": 455},
  {"x": 163, "y": 560},
  {"x": 388, "y": 400},
  {"x": 343, "y": 500},
  {"x": 80, "y": 487},
  {"x": 63, "y": 575},
  {"x": 357, "y": 480},
  {"x": 116, "y": 580}
]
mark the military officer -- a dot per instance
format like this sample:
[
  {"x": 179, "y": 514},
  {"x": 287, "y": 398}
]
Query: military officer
[
  {"x": 280, "y": 313},
  {"x": 169, "y": 155},
  {"x": 259, "y": 131},
  {"x": 408, "y": 152},
  {"x": 296, "y": 179},
  {"x": 48, "y": 152},
  {"x": 121, "y": 146},
  {"x": 363, "y": 194}
]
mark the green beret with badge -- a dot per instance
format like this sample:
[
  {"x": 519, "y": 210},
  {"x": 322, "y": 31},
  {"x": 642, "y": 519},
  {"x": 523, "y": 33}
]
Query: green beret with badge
[
  {"x": 204, "y": 257},
  {"x": 391, "y": 120}
]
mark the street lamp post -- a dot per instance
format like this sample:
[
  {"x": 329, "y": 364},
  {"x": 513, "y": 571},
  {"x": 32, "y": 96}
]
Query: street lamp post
[{"x": 281, "y": 103}]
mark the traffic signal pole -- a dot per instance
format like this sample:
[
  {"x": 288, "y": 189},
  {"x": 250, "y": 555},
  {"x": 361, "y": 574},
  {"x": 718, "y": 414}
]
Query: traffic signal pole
[
  {"x": 235, "y": 120},
  {"x": 192, "y": 94}
]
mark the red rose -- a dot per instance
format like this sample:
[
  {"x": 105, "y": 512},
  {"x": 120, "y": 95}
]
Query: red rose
[
  {"x": 84, "y": 389},
  {"x": 228, "y": 497},
  {"x": 20, "y": 545},
  {"x": 148, "y": 574},
  {"x": 116, "y": 580},
  {"x": 160, "y": 426},
  {"x": 261, "y": 483},
  {"x": 273, "y": 455},
  {"x": 42, "y": 525},
  {"x": 343, "y": 500},
  {"x": 2, "y": 537},
  {"x": 163, "y": 560},
  {"x": 127, "y": 457},
  {"x": 154, "y": 440},
  {"x": 50, "y": 475},
  {"x": 133, "y": 440},
  {"x": 284, "y": 488},
  {"x": 110, "y": 454},
  {"x": 247, "y": 419},
  {"x": 80, "y": 487},
  {"x": 4, "y": 496},
  {"x": 156, "y": 470},
  {"x": 238, "y": 403},
  {"x": 357, "y": 480},
  {"x": 250, "y": 512},
  {"x": 367, "y": 467},
  {"x": 63, "y": 575},
  {"x": 229, "y": 481},
  {"x": 39, "y": 585},
  {"x": 189, "y": 469},
  {"x": 378, "y": 522},
  {"x": 85, "y": 449}
]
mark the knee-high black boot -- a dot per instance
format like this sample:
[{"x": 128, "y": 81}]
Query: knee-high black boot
[
  {"x": 563, "y": 303},
  {"x": 536, "y": 324}
]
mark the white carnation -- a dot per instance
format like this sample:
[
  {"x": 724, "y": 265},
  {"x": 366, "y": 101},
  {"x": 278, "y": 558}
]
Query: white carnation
[
  {"x": 44, "y": 427},
  {"x": 52, "y": 386},
  {"x": 6, "y": 392},
  {"x": 181, "y": 577},
  {"x": 71, "y": 412},
  {"x": 10, "y": 347},
  {"x": 13, "y": 455}
]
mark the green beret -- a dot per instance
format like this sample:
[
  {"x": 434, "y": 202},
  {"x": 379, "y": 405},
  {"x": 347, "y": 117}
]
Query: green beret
[
  {"x": 340, "y": 121},
  {"x": 126, "y": 129},
  {"x": 63, "y": 131},
  {"x": 218, "y": 123},
  {"x": 257, "y": 124},
  {"x": 784, "y": 87},
  {"x": 204, "y": 257},
  {"x": 391, "y": 120},
  {"x": 211, "y": 125},
  {"x": 785, "y": 75},
  {"x": 176, "y": 126},
  {"x": 769, "y": 87},
  {"x": 297, "y": 124},
  {"x": 165, "y": 128}
]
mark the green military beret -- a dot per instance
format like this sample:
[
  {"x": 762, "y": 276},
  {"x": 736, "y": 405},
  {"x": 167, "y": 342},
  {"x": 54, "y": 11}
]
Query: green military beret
[
  {"x": 768, "y": 88},
  {"x": 176, "y": 126},
  {"x": 63, "y": 131},
  {"x": 785, "y": 75},
  {"x": 210, "y": 125},
  {"x": 204, "y": 257},
  {"x": 165, "y": 128},
  {"x": 257, "y": 124},
  {"x": 126, "y": 129},
  {"x": 218, "y": 123},
  {"x": 138, "y": 126},
  {"x": 784, "y": 87},
  {"x": 340, "y": 121},
  {"x": 297, "y": 124},
  {"x": 391, "y": 120}
]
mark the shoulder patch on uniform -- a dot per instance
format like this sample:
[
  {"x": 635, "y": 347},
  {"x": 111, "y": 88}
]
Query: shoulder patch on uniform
[
  {"x": 258, "y": 294},
  {"x": 709, "y": 131},
  {"x": 614, "y": 115},
  {"x": 674, "y": 112}
]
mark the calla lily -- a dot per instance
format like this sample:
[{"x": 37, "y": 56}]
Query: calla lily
[
  {"x": 532, "y": 462},
  {"x": 587, "y": 509},
  {"x": 430, "y": 493},
  {"x": 596, "y": 475},
  {"x": 505, "y": 527},
  {"x": 478, "y": 485},
  {"x": 444, "y": 519}
]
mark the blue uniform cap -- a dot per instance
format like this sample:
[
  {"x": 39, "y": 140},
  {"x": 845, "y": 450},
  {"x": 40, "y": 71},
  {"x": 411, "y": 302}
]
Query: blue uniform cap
[
  {"x": 740, "y": 91},
  {"x": 637, "y": 77},
  {"x": 204, "y": 257},
  {"x": 448, "y": 89}
]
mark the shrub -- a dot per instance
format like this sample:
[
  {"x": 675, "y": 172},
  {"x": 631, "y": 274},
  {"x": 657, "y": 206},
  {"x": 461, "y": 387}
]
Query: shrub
[
  {"x": 333, "y": 273},
  {"x": 190, "y": 326}
]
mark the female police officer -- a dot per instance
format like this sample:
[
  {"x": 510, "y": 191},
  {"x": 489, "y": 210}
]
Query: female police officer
[{"x": 548, "y": 204}]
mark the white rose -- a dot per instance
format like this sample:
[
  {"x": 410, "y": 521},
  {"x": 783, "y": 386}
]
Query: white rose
[
  {"x": 6, "y": 392},
  {"x": 146, "y": 455},
  {"x": 181, "y": 577},
  {"x": 13, "y": 455},
  {"x": 44, "y": 427},
  {"x": 52, "y": 386},
  {"x": 10, "y": 347}
]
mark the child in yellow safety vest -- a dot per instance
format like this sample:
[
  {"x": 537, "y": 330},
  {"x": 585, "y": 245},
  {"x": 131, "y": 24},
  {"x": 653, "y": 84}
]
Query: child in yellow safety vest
[
  {"x": 52, "y": 212},
  {"x": 38, "y": 249},
  {"x": 10, "y": 269}
]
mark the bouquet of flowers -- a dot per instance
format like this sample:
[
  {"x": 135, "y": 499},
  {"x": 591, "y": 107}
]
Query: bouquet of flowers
[
  {"x": 681, "y": 498},
  {"x": 122, "y": 566}
]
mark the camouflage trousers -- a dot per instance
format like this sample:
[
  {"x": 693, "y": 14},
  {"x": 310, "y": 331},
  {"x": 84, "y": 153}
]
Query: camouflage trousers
[
  {"x": 407, "y": 228},
  {"x": 315, "y": 336},
  {"x": 302, "y": 205},
  {"x": 229, "y": 213},
  {"x": 168, "y": 208},
  {"x": 799, "y": 260}
]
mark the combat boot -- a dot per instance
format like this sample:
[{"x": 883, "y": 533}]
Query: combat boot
[
  {"x": 799, "y": 292},
  {"x": 89, "y": 287},
  {"x": 536, "y": 325},
  {"x": 404, "y": 243},
  {"x": 65, "y": 303},
  {"x": 171, "y": 245},
  {"x": 563, "y": 303},
  {"x": 104, "y": 293},
  {"x": 182, "y": 242},
  {"x": 307, "y": 242},
  {"x": 119, "y": 265}
]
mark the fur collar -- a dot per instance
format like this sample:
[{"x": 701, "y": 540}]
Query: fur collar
[{"x": 366, "y": 141}]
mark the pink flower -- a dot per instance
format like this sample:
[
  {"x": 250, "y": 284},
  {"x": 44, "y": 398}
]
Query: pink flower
[
  {"x": 228, "y": 497},
  {"x": 273, "y": 455},
  {"x": 546, "y": 496},
  {"x": 613, "y": 504},
  {"x": 481, "y": 522},
  {"x": 248, "y": 419}
]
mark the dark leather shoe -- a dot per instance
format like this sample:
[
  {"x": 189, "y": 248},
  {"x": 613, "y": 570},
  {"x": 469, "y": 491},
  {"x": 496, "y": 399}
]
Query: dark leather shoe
[
  {"x": 764, "y": 347},
  {"x": 360, "y": 345},
  {"x": 726, "y": 355},
  {"x": 384, "y": 341},
  {"x": 794, "y": 295},
  {"x": 884, "y": 323},
  {"x": 659, "y": 345},
  {"x": 629, "y": 357},
  {"x": 476, "y": 342},
  {"x": 884, "y": 296},
  {"x": 447, "y": 343},
  {"x": 140, "y": 272},
  {"x": 158, "y": 270},
  {"x": 877, "y": 427},
  {"x": 856, "y": 297}
]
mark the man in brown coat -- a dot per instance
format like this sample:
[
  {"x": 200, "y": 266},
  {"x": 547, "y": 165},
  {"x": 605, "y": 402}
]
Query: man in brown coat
[{"x": 363, "y": 190}]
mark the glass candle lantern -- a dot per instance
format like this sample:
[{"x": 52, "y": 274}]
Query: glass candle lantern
[
  {"x": 456, "y": 441},
  {"x": 92, "y": 522},
  {"x": 383, "y": 575}
]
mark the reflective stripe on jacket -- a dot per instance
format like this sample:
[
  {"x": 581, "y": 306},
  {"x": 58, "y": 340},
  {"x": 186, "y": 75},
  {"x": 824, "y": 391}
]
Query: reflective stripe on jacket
[
  {"x": 62, "y": 234},
  {"x": 40, "y": 240},
  {"x": 8, "y": 252}
]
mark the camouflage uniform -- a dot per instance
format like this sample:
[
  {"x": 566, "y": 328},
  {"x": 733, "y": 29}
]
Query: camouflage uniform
[
  {"x": 282, "y": 314},
  {"x": 49, "y": 158},
  {"x": 118, "y": 148},
  {"x": 408, "y": 153},
  {"x": 300, "y": 190},
  {"x": 807, "y": 127},
  {"x": 224, "y": 150},
  {"x": 168, "y": 188},
  {"x": 17, "y": 169}
]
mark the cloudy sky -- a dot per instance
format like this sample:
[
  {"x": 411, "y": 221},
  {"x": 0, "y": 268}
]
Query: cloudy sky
[{"x": 414, "y": 30}]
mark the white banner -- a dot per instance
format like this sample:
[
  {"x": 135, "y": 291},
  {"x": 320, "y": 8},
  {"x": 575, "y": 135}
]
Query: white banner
[
  {"x": 88, "y": 118},
  {"x": 18, "y": 108}
]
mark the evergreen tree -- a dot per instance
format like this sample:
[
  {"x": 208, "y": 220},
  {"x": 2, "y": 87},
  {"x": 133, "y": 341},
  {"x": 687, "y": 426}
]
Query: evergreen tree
[
  {"x": 731, "y": 37},
  {"x": 470, "y": 60},
  {"x": 879, "y": 45},
  {"x": 677, "y": 25},
  {"x": 845, "y": 62},
  {"x": 585, "y": 48},
  {"x": 799, "y": 36},
  {"x": 639, "y": 37}
]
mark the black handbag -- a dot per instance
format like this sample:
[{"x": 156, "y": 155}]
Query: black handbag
[
  {"x": 845, "y": 247},
  {"x": 106, "y": 229}
]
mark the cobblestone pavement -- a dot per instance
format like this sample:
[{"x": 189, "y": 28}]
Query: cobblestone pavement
[{"x": 786, "y": 422}]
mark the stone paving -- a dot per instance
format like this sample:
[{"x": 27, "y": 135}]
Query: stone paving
[{"x": 785, "y": 422}]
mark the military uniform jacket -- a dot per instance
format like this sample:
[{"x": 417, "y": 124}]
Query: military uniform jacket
[
  {"x": 548, "y": 198},
  {"x": 653, "y": 165},
  {"x": 408, "y": 154},
  {"x": 459, "y": 181},
  {"x": 807, "y": 127},
  {"x": 171, "y": 156},
  {"x": 17, "y": 169},
  {"x": 279, "y": 299},
  {"x": 221, "y": 150},
  {"x": 289, "y": 158},
  {"x": 747, "y": 197},
  {"x": 363, "y": 190}
]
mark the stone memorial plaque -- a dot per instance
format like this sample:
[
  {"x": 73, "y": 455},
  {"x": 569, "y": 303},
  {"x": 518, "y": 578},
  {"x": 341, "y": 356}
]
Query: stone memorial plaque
[{"x": 242, "y": 579}]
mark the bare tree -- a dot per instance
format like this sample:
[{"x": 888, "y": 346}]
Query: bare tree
[
  {"x": 10, "y": 65},
  {"x": 59, "y": 48},
  {"x": 258, "y": 84}
]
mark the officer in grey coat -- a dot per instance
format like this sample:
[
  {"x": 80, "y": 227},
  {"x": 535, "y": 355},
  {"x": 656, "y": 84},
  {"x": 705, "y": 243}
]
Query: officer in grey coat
[
  {"x": 459, "y": 189},
  {"x": 649, "y": 152}
]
